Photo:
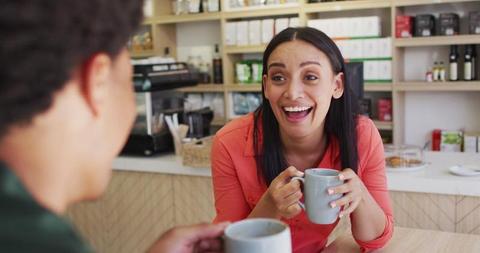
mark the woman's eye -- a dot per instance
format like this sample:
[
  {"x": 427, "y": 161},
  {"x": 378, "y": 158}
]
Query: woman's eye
[
  {"x": 310, "y": 78},
  {"x": 277, "y": 78}
]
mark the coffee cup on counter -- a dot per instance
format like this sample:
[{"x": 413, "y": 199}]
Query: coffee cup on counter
[
  {"x": 259, "y": 235},
  {"x": 316, "y": 182}
]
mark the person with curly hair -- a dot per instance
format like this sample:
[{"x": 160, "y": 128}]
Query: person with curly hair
[{"x": 66, "y": 108}]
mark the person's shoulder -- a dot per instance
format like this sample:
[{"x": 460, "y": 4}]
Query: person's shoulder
[
  {"x": 37, "y": 230},
  {"x": 239, "y": 127},
  {"x": 364, "y": 123}
]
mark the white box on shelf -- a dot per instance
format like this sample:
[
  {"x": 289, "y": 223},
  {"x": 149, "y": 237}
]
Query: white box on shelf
[
  {"x": 370, "y": 70},
  {"x": 347, "y": 48},
  {"x": 268, "y": 27},
  {"x": 231, "y": 34},
  {"x": 385, "y": 70},
  {"x": 293, "y": 22},
  {"x": 341, "y": 46},
  {"x": 254, "y": 32},
  {"x": 384, "y": 46},
  {"x": 470, "y": 142},
  {"x": 280, "y": 24},
  {"x": 356, "y": 49},
  {"x": 148, "y": 8},
  {"x": 370, "y": 48},
  {"x": 242, "y": 33},
  {"x": 373, "y": 27},
  {"x": 340, "y": 27},
  {"x": 354, "y": 26}
]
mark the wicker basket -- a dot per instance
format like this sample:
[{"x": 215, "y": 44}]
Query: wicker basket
[{"x": 197, "y": 154}]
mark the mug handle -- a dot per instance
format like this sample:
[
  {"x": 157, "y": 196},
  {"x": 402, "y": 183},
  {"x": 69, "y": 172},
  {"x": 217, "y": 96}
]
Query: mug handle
[{"x": 301, "y": 179}]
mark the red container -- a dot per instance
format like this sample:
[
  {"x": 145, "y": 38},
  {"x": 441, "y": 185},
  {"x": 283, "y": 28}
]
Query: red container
[
  {"x": 384, "y": 109},
  {"x": 436, "y": 138},
  {"x": 403, "y": 26}
]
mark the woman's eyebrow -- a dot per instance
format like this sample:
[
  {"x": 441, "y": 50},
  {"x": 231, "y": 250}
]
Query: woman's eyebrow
[{"x": 310, "y": 62}]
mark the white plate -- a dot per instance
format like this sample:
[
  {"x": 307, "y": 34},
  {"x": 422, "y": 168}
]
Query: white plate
[
  {"x": 407, "y": 169},
  {"x": 465, "y": 170}
]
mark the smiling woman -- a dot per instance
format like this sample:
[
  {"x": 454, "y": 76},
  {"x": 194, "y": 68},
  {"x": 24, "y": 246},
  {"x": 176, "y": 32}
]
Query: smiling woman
[{"x": 308, "y": 119}]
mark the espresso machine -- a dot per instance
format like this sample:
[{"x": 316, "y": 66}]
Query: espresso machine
[{"x": 156, "y": 97}]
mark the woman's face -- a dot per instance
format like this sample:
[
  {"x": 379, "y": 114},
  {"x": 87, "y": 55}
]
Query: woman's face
[{"x": 299, "y": 85}]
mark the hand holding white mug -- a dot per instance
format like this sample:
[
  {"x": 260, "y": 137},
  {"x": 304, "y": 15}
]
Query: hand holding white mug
[
  {"x": 285, "y": 194},
  {"x": 353, "y": 190}
]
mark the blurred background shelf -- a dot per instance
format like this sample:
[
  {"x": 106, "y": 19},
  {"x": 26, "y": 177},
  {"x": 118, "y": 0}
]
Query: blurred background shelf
[{"x": 438, "y": 86}]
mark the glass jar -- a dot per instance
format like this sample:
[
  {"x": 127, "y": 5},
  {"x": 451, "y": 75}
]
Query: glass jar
[{"x": 404, "y": 156}]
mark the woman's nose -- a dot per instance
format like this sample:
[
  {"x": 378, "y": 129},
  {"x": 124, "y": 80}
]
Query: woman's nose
[{"x": 294, "y": 90}]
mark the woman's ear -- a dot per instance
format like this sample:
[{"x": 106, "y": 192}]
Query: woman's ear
[{"x": 339, "y": 82}]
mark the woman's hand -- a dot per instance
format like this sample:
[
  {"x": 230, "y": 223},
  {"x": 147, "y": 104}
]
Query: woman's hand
[
  {"x": 285, "y": 193},
  {"x": 353, "y": 190}
]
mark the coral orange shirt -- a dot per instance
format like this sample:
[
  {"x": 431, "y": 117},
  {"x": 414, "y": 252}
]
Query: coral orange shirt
[{"x": 237, "y": 188}]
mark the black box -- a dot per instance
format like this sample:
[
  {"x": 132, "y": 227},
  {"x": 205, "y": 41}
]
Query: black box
[
  {"x": 474, "y": 22},
  {"x": 449, "y": 24},
  {"x": 424, "y": 25}
]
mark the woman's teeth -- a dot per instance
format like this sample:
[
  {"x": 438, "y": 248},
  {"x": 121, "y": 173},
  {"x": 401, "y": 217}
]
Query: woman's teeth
[{"x": 296, "y": 108}]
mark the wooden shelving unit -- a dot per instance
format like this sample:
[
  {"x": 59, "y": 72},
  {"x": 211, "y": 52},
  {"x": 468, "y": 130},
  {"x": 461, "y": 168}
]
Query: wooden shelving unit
[
  {"x": 403, "y": 3},
  {"x": 244, "y": 88},
  {"x": 437, "y": 41},
  {"x": 383, "y": 125},
  {"x": 438, "y": 86},
  {"x": 245, "y": 49},
  {"x": 164, "y": 34},
  {"x": 174, "y": 19},
  {"x": 142, "y": 54},
  {"x": 346, "y": 5},
  {"x": 262, "y": 11}
]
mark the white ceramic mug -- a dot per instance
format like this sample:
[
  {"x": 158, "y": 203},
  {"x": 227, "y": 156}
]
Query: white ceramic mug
[
  {"x": 258, "y": 235},
  {"x": 316, "y": 183}
]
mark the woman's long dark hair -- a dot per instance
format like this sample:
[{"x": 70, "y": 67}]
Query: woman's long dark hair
[{"x": 340, "y": 120}]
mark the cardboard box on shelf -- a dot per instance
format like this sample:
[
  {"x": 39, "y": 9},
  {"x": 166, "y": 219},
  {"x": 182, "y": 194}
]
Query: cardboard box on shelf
[
  {"x": 242, "y": 33},
  {"x": 384, "y": 70},
  {"x": 293, "y": 22},
  {"x": 280, "y": 24},
  {"x": 231, "y": 34},
  {"x": 254, "y": 32},
  {"x": 268, "y": 27},
  {"x": 403, "y": 26}
]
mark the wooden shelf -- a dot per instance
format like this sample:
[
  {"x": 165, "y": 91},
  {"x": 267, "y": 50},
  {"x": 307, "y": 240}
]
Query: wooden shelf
[
  {"x": 203, "y": 88},
  {"x": 245, "y": 49},
  {"x": 173, "y": 19},
  {"x": 262, "y": 11},
  {"x": 250, "y": 87},
  {"x": 346, "y": 5},
  {"x": 148, "y": 21},
  {"x": 438, "y": 86},
  {"x": 383, "y": 125},
  {"x": 400, "y": 3},
  {"x": 142, "y": 54},
  {"x": 437, "y": 41},
  {"x": 377, "y": 87}
]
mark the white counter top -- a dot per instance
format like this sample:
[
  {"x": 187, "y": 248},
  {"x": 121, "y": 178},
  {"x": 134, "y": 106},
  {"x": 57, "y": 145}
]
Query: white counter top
[
  {"x": 168, "y": 164},
  {"x": 435, "y": 178}
]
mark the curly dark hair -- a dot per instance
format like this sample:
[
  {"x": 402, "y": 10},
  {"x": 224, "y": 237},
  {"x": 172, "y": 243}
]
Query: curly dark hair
[{"x": 43, "y": 41}]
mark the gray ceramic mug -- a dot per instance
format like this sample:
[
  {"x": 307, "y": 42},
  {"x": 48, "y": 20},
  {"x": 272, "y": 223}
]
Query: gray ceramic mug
[
  {"x": 316, "y": 183},
  {"x": 259, "y": 235}
]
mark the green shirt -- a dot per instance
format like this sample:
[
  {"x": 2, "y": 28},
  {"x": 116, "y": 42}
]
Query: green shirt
[{"x": 25, "y": 226}]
